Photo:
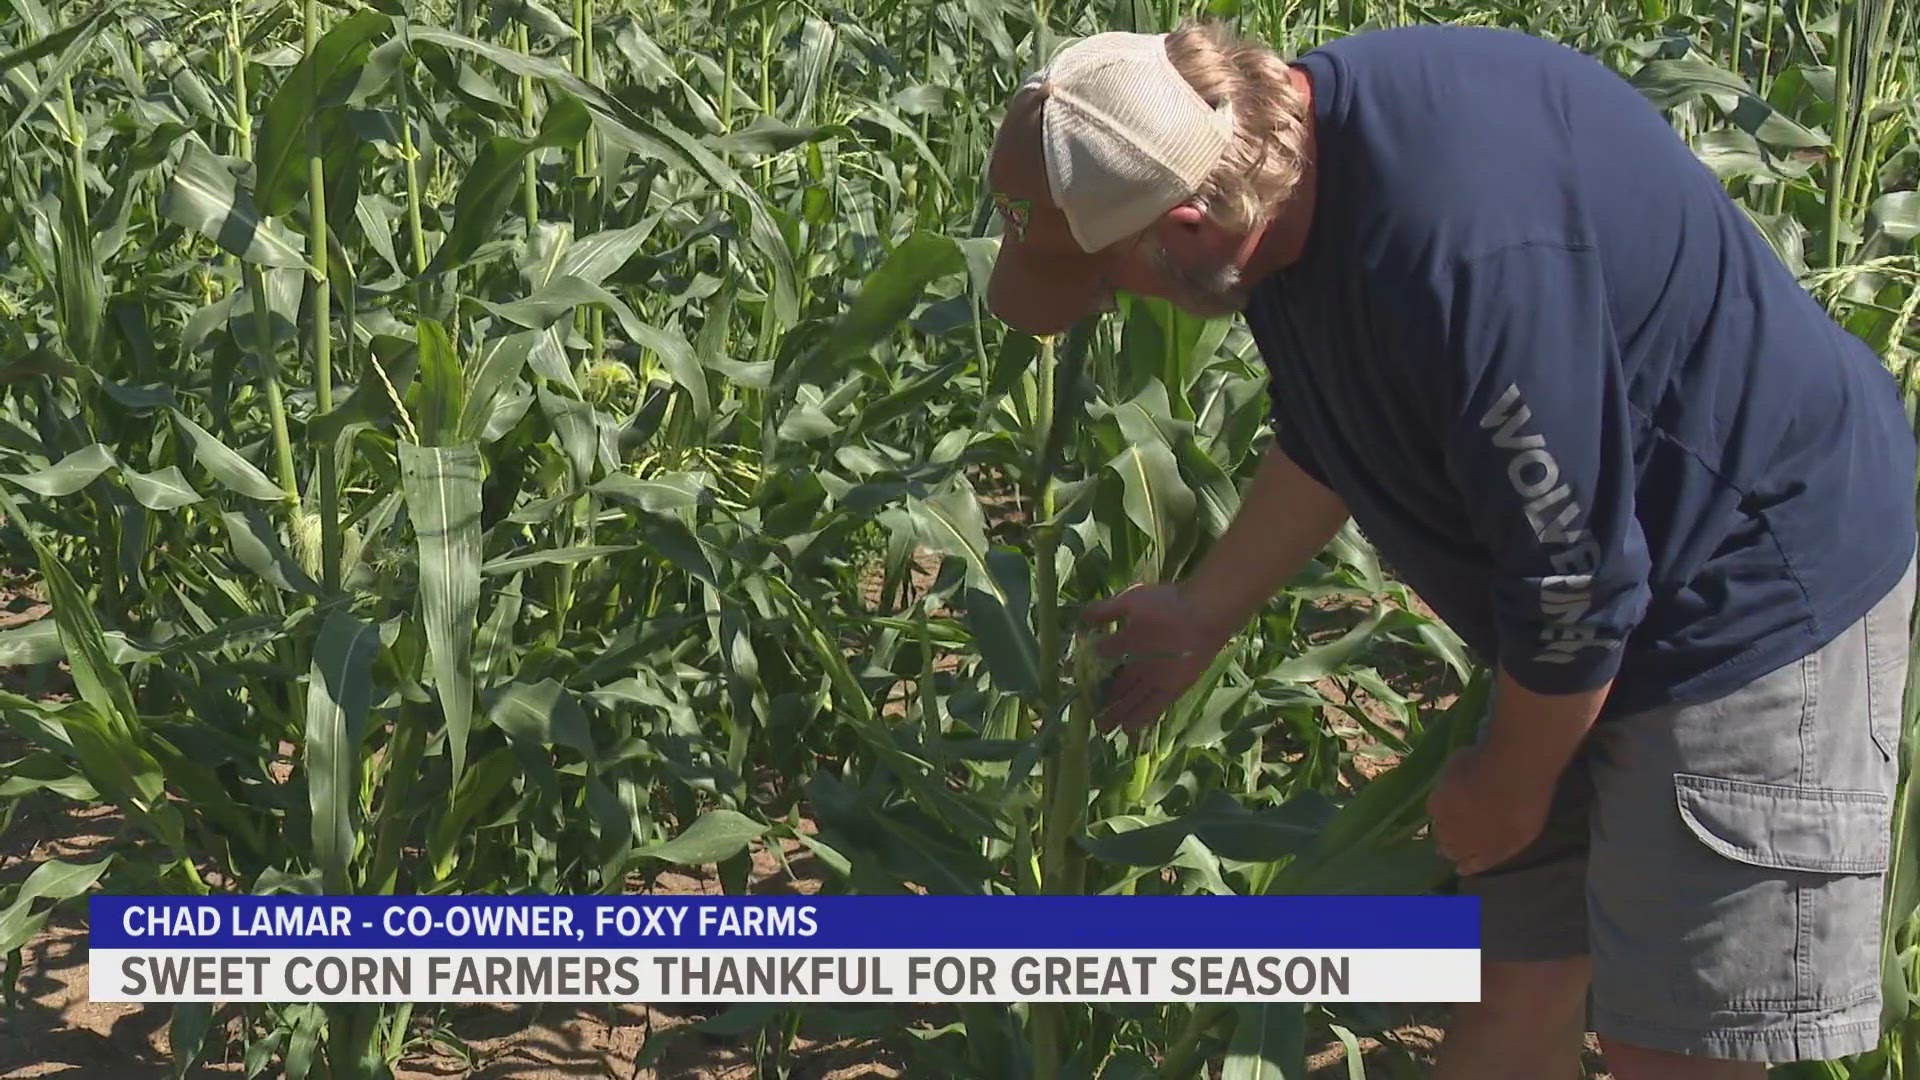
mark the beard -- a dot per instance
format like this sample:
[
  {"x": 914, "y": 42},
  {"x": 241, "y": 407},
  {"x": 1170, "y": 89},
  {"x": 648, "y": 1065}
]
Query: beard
[{"x": 1209, "y": 292}]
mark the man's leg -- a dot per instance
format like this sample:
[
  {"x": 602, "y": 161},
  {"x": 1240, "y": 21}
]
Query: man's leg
[
  {"x": 1528, "y": 1024},
  {"x": 1534, "y": 971}
]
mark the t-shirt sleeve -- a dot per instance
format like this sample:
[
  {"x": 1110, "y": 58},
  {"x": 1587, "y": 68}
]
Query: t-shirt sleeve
[
  {"x": 1539, "y": 442},
  {"x": 1287, "y": 438}
]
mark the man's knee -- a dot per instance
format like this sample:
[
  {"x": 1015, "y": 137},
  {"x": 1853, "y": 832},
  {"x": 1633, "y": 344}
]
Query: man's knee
[
  {"x": 1529, "y": 1022},
  {"x": 1533, "y": 992}
]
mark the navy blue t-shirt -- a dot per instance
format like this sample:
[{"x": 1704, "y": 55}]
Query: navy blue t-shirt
[{"x": 1563, "y": 383}]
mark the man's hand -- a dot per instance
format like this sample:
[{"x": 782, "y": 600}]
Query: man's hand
[
  {"x": 1175, "y": 631},
  {"x": 1485, "y": 813},
  {"x": 1492, "y": 799},
  {"x": 1170, "y": 640}
]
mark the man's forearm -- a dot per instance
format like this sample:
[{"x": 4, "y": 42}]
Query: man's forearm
[
  {"x": 1284, "y": 520},
  {"x": 1534, "y": 736}
]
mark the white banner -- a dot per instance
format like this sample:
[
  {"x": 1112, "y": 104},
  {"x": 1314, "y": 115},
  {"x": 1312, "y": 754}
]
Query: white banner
[{"x": 782, "y": 975}]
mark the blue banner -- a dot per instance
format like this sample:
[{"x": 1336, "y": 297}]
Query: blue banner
[{"x": 799, "y": 922}]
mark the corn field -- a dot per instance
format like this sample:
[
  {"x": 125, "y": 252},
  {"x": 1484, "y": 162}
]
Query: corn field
[{"x": 558, "y": 447}]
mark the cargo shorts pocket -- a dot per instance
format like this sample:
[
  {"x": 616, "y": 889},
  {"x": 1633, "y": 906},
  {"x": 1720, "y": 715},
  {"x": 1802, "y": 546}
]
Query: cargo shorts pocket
[
  {"x": 1784, "y": 894},
  {"x": 1778, "y": 827}
]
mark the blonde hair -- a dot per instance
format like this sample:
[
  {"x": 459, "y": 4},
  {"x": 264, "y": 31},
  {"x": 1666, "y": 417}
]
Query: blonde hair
[{"x": 1268, "y": 154}]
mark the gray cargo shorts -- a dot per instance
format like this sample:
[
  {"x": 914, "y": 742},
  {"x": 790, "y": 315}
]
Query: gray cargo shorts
[{"x": 1724, "y": 863}]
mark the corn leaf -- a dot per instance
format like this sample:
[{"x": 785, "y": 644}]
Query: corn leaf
[
  {"x": 38, "y": 642},
  {"x": 187, "y": 1028},
  {"x": 546, "y": 714},
  {"x": 885, "y": 298},
  {"x": 950, "y": 522},
  {"x": 1318, "y": 662},
  {"x": 563, "y": 293},
  {"x": 657, "y": 495},
  {"x": 537, "y": 17},
  {"x": 98, "y": 680},
  {"x": 853, "y": 700},
  {"x": 594, "y": 258},
  {"x": 1157, "y": 500},
  {"x": 573, "y": 423},
  {"x": 166, "y": 489},
  {"x": 1410, "y": 866},
  {"x": 259, "y": 549},
  {"x": 205, "y": 196},
  {"x": 114, "y": 762},
  {"x": 234, "y": 472},
  {"x": 1227, "y": 828},
  {"x": 476, "y": 788},
  {"x": 439, "y": 398},
  {"x": 304, "y": 1043},
  {"x": 1269, "y": 1043},
  {"x": 672, "y": 540},
  {"x": 1216, "y": 498},
  {"x": 69, "y": 474},
  {"x": 901, "y": 843},
  {"x": 54, "y": 880},
  {"x": 909, "y": 397},
  {"x": 714, "y": 837},
  {"x": 494, "y": 646},
  {"x": 1388, "y": 810},
  {"x": 513, "y": 564},
  {"x": 1896, "y": 215},
  {"x": 339, "y": 690},
  {"x": 318, "y": 82},
  {"x": 1668, "y": 83},
  {"x": 1001, "y": 622},
  {"x": 489, "y": 186},
  {"x": 501, "y": 361},
  {"x": 71, "y": 786},
  {"x": 442, "y": 485},
  {"x": 766, "y": 135}
]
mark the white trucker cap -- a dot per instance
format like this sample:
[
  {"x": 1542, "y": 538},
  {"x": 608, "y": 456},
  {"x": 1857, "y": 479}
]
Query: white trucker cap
[{"x": 1093, "y": 149}]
